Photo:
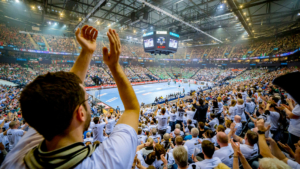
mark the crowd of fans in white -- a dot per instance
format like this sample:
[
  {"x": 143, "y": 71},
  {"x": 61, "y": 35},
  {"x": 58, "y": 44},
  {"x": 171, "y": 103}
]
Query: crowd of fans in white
[{"x": 249, "y": 122}]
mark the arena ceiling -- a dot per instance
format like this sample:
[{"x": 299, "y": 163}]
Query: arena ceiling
[{"x": 226, "y": 20}]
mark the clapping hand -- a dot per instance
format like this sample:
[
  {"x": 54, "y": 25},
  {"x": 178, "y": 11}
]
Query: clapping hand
[
  {"x": 261, "y": 125},
  {"x": 87, "y": 38},
  {"x": 112, "y": 58}
]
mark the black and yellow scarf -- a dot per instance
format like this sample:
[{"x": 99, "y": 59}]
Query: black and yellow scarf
[{"x": 67, "y": 157}]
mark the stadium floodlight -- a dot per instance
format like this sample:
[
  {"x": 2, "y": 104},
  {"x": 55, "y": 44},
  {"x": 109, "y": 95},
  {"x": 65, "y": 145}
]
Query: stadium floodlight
[
  {"x": 221, "y": 6},
  {"x": 178, "y": 19},
  {"x": 90, "y": 13},
  {"x": 17, "y": 1}
]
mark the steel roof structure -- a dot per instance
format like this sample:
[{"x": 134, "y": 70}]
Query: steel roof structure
[{"x": 225, "y": 20}]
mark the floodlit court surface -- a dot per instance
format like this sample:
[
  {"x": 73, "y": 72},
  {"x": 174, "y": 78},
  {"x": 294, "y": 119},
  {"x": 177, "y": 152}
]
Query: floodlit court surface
[{"x": 145, "y": 93}]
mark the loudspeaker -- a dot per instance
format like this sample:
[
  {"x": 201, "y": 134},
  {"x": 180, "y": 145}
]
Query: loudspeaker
[
  {"x": 145, "y": 17},
  {"x": 132, "y": 16}
]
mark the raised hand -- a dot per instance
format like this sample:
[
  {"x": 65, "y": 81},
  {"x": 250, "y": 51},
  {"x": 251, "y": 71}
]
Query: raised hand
[
  {"x": 163, "y": 159},
  {"x": 285, "y": 146},
  {"x": 261, "y": 125},
  {"x": 112, "y": 58},
  {"x": 87, "y": 38}
]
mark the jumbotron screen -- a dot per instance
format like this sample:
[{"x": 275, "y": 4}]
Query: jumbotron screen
[{"x": 160, "y": 42}]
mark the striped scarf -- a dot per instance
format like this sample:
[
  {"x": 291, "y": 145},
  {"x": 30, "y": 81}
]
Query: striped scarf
[{"x": 67, "y": 157}]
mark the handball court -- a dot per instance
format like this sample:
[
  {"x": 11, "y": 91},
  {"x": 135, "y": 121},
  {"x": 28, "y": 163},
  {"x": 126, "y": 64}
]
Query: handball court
[{"x": 145, "y": 93}]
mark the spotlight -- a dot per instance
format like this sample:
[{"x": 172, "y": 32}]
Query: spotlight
[
  {"x": 221, "y": 6},
  {"x": 61, "y": 14},
  {"x": 241, "y": 6},
  {"x": 38, "y": 6},
  {"x": 244, "y": 13},
  {"x": 298, "y": 14},
  {"x": 55, "y": 23},
  {"x": 247, "y": 19},
  {"x": 108, "y": 25},
  {"x": 253, "y": 31},
  {"x": 98, "y": 22},
  {"x": 65, "y": 25},
  {"x": 32, "y": 7},
  {"x": 249, "y": 23},
  {"x": 49, "y": 23},
  {"x": 17, "y": 1}
]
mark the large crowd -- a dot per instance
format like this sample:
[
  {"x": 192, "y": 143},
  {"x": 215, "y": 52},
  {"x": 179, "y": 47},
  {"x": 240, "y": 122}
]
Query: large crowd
[
  {"x": 276, "y": 45},
  {"x": 248, "y": 122}
]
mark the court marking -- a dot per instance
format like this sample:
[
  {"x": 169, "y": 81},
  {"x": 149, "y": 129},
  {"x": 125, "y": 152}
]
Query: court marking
[
  {"x": 140, "y": 91},
  {"x": 147, "y": 93},
  {"x": 103, "y": 94},
  {"x": 158, "y": 88},
  {"x": 112, "y": 99}
]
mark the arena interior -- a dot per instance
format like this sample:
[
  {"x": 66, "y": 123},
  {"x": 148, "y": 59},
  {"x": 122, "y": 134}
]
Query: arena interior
[{"x": 150, "y": 84}]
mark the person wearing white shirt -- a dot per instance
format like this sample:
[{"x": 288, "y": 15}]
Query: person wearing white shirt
[
  {"x": 193, "y": 145},
  {"x": 180, "y": 157},
  {"x": 190, "y": 114},
  {"x": 172, "y": 119},
  {"x": 154, "y": 135},
  {"x": 225, "y": 153},
  {"x": 14, "y": 134},
  {"x": 64, "y": 101},
  {"x": 294, "y": 127},
  {"x": 240, "y": 109},
  {"x": 98, "y": 129},
  {"x": 111, "y": 122},
  {"x": 152, "y": 125},
  {"x": 88, "y": 138},
  {"x": 162, "y": 122},
  {"x": 177, "y": 127},
  {"x": 248, "y": 145},
  {"x": 232, "y": 109},
  {"x": 141, "y": 138},
  {"x": 238, "y": 124},
  {"x": 209, "y": 161},
  {"x": 213, "y": 123},
  {"x": 178, "y": 142}
]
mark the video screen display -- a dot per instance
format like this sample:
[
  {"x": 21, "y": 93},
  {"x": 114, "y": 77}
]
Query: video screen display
[
  {"x": 161, "y": 41},
  {"x": 173, "y": 43},
  {"x": 148, "y": 43}
]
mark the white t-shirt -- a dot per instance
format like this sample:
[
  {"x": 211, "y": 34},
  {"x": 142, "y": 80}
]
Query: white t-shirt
[
  {"x": 293, "y": 164},
  {"x": 117, "y": 150},
  {"x": 225, "y": 154},
  {"x": 208, "y": 163},
  {"x": 141, "y": 138},
  {"x": 98, "y": 132},
  {"x": 6, "y": 125},
  {"x": 240, "y": 110},
  {"x": 192, "y": 145},
  {"x": 173, "y": 117},
  {"x": 13, "y": 136},
  {"x": 227, "y": 131},
  {"x": 213, "y": 124},
  {"x": 92, "y": 124},
  {"x": 179, "y": 115},
  {"x": 274, "y": 117},
  {"x": 110, "y": 125},
  {"x": 90, "y": 139},
  {"x": 294, "y": 127},
  {"x": 239, "y": 128},
  {"x": 162, "y": 122},
  {"x": 249, "y": 151},
  {"x": 232, "y": 111},
  {"x": 155, "y": 138},
  {"x": 190, "y": 115}
]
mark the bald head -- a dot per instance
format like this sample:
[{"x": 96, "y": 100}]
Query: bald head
[
  {"x": 177, "y": 131},
  {"x": 88, "y": 134},
  {"x": 237, "y": 118},
  {"x": 222, "y": 139}
]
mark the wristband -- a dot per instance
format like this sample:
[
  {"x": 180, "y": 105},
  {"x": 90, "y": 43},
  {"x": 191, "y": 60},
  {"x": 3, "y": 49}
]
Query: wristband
[{"x": 261, "y": 132}]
